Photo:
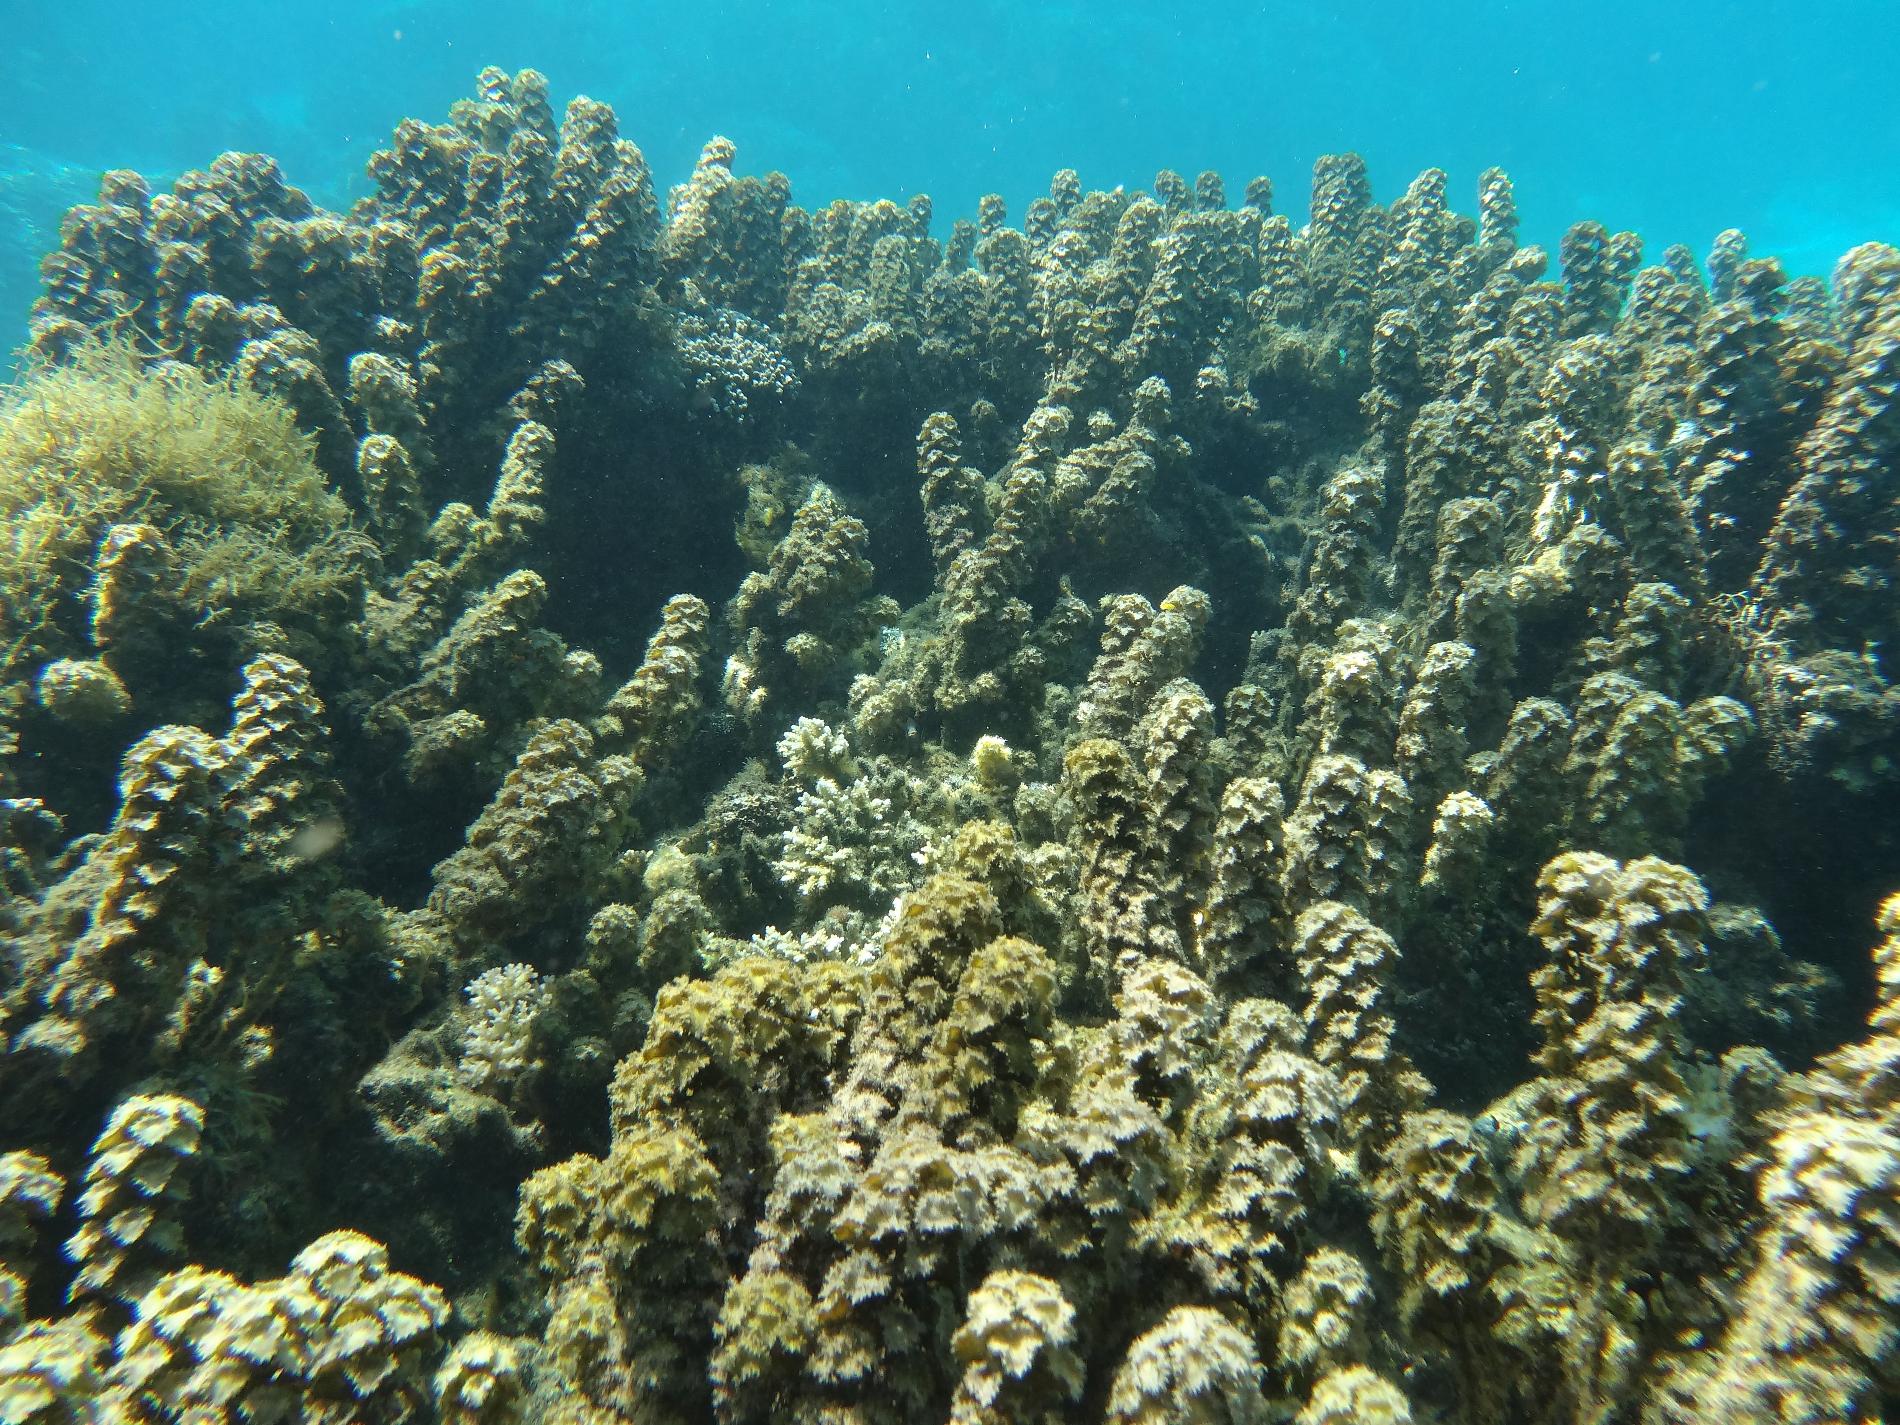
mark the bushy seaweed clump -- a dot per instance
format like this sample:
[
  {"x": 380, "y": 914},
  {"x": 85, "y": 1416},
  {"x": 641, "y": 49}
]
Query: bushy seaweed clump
[{"x": 213, "y": 480}]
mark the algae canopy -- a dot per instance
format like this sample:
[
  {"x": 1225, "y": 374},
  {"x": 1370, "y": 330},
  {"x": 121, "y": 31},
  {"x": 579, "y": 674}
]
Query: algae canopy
[{"x": 636, "y": 807}]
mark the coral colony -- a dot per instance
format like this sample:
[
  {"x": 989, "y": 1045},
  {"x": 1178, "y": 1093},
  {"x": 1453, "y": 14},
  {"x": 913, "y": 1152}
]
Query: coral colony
[{"x": 620, "y": 811}]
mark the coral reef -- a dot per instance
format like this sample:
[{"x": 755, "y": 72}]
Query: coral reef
[{"x": 620, "y": 810}]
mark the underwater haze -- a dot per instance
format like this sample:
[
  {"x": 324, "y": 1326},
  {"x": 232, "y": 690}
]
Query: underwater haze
[
  {"x": 1674, "y": 120},
  {"x": 822, "y": 716}
]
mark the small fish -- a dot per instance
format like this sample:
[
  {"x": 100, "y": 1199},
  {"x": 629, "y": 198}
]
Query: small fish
[{"x": 316, "y": 839}]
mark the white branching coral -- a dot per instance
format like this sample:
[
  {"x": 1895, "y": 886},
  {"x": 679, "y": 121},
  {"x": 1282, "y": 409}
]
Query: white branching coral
[
  {"x": 498, "y": 1044},
  {"x": 851, "y": 841},
  {"x": 849, "y": 939},
  {"x": 736, "y": 364},
  {"x": 812, "y": 748}
]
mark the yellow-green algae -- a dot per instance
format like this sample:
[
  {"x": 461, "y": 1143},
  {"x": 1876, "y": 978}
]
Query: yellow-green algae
[{"x": 218, "y": 470}]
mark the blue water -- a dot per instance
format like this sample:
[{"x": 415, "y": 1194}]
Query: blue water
[{"x": 1676, "y": 119}]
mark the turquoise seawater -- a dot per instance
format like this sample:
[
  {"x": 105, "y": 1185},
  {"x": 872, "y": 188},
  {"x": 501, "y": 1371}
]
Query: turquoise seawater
[{"x": 1676, "y": 120}]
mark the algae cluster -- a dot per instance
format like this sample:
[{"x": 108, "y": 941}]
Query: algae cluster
[{"x": 731, "y": 812}]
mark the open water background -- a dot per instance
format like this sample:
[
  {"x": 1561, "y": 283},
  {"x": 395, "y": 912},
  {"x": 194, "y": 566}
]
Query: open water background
[{"x": 1674, "y": 117}]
